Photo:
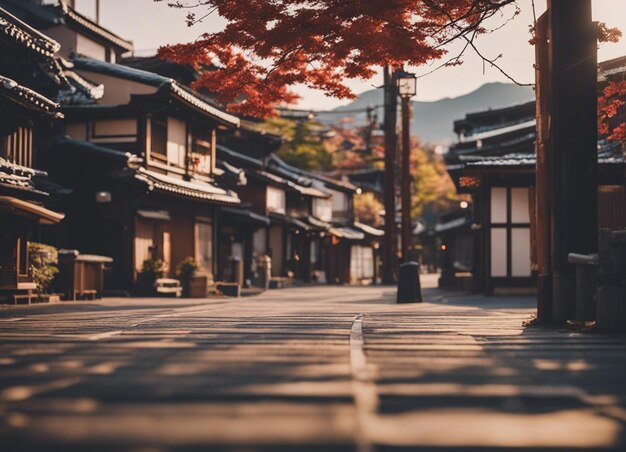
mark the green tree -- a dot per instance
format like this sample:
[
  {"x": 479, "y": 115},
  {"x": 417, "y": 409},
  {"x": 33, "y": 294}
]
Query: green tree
[
  {"x": 433, "y": 191},
  {"x": 303, "y": 147}
]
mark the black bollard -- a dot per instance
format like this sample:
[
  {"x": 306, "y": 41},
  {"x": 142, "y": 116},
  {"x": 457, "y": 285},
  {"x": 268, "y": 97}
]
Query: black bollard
[{"x": 409, "y": 288}]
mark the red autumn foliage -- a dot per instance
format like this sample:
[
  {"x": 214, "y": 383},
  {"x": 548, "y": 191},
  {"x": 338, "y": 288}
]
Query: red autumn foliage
[
  {"x": 612, "y": 111},
  {"x": 268, "y": 46}
]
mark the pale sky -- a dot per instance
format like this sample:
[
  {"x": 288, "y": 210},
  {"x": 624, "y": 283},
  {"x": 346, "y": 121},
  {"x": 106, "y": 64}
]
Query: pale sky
[{"x": 150, "y": 25}]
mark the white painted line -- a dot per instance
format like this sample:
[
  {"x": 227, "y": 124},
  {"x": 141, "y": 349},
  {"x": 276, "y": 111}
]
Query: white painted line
[{"x": 363, "y": 388}]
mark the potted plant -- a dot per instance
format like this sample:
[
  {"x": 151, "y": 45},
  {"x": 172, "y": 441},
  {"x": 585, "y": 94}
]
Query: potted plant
[
  {"x": 43, "y": 260},
  {"x": 185, "y": 272},
  {"x": 151, "y": 270}
]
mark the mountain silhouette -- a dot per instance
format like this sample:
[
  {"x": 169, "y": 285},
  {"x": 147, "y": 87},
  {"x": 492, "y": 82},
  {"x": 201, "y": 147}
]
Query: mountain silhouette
[{"x": 433, "y": 121}]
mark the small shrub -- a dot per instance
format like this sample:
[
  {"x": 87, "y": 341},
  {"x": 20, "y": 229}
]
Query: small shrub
[
  {"x": 151, "y": 270},
  {"x": 43, "y": 260},
  {"x": 186, "y": 270}
]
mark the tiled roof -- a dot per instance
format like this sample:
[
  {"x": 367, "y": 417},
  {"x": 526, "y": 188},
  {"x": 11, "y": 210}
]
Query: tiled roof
[
  {"x": 72, "y": 16},
  {"x": 19, "y": 177},
  {"x": 181, "y": 92},
  {"x": 307, "y": 191},
  {"x": 80, "y": 146},
  {"x": 332, "y": 183},
  {"x": 77, "y": 91},
  {"x": 226, "y": 153},
  {"x": 608, "y": 153},
  {"x": 27, "y": 98},
  {"x": 347, "y": 233},
  {"x": 245, "y": 215},
  {"x": 191, "y": 189},
  {"x": 23, "y": 34},
  {"x": 369, "y": 229}
]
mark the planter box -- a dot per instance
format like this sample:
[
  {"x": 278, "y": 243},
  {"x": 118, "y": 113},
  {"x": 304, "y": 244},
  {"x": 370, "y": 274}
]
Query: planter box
[
  {"x": 198, "y": 287},
  {"x": 229, "y": 289}
]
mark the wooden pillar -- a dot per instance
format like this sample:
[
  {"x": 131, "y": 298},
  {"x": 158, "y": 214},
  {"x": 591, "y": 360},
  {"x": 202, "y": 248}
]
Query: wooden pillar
[
  {"x": 543, "y": 223},
  {"x": 573, "y": 144}
]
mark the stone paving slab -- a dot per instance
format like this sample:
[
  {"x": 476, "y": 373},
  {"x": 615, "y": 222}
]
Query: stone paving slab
[{"x": 317, "y": 368}]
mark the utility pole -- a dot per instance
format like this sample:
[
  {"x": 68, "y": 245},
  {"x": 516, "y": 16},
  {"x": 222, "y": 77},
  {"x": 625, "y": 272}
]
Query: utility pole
[
  {"x": 371, "y": 124},
  {"x": 573, "y": 145},
  {"x": 390, "y": 243}
]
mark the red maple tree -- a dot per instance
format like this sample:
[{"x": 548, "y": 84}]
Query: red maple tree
[
  {"x": 268, "y": 46},
  {"x": 612, "y": 111}
]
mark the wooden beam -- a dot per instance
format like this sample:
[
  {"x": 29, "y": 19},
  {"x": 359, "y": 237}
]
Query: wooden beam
[{"x": 543, "y": 223}]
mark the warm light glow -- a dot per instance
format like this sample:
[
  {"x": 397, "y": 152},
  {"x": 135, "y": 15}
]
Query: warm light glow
[
  {"x": 443, "y": 247},
  {"x": 464, "y": 204},
  {"x": 407, "y": 84}
]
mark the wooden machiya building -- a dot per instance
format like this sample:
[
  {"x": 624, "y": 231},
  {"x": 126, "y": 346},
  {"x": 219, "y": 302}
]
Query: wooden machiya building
[
  {"x": 29, "y": 79},
  {"x": 347, "y": 253},
  {"x": 275, "y": 219},
  {"x": 73, "y": 25},
  {"x": 495, "y": 162},
  {"x": 142, "y": 164}
]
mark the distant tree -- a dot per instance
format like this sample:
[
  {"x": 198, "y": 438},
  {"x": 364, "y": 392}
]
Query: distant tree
[
  {"x": 268, "y": 46},
  {"x": 433, "y": 190},
  {"x": 302, "y": 148},
  {"x": 367, "y": 209}
]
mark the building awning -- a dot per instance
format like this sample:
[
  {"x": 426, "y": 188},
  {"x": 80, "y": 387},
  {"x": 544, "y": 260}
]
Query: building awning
[
  {"x": 285, "y": 220},
  {"x": 23, "y": 208},
  {"x": 318, "y": 224},
  {"x": 347, "y": 233},
  {"x": 191, "y": 189},
  {"x": 369, "y": 230},
  {"x": 161, "y": 215},
  {"x": 246, "y": 216}
]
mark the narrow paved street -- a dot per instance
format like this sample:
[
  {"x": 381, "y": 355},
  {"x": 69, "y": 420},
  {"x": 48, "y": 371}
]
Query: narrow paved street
[{"x": 304, "y": 368}]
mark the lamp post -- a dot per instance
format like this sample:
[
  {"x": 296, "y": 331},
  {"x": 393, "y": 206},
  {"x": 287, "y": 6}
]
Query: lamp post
[{"x": 407, "y": 87}]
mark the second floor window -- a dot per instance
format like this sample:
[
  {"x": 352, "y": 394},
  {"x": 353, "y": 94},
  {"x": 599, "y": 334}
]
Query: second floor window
[
  {"x": 201, "y": 156},
  {"x": 276, "y": 200},
  {"x": 323, "y": 209},
  {"x": 158, "y": 137},
  {"x": 17, "y": 147}
]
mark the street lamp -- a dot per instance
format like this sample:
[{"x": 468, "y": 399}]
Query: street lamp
[
  {"x": 407, "y": 84},
  {"x": 407, "y": 87}
]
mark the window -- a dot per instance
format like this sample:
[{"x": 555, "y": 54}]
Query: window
[
  {"x": 201, "y": 156},
  {"x": 17, "y": 147},
  {"x": 204, "y": 245},
  {"x": 176, "y": 142},
  {"x": 510, "y": 233},
  {"x": 340, "y": 206},
  {"x": 323, "y": 209},
  {"x": 275, "y": 200},
  {"x": 158, "y": 136},
  {"x": 361, "y": 263}
]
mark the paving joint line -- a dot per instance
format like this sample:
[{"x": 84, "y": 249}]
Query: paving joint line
[{"x": 364, "y": 390}]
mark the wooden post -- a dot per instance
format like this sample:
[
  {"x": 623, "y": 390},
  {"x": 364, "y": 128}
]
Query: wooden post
[
  {"x": 389, "y": 251},
  {"x": 573, "y": 145},
  {"x": 406, "y": 179},
  {"x": 543, "y": 222}
]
